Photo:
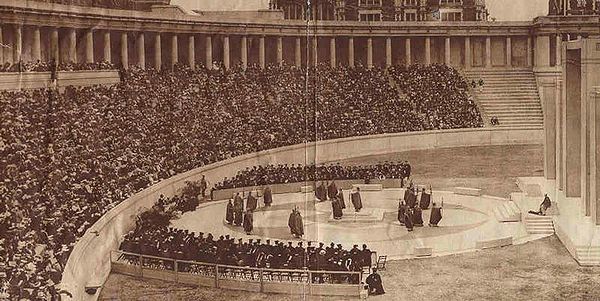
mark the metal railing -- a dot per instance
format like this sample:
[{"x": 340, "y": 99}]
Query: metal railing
[{"x": 237, "y": 277}]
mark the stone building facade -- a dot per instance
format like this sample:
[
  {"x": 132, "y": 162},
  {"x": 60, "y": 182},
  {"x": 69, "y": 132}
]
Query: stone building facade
[{"x": 383, "y": 10}]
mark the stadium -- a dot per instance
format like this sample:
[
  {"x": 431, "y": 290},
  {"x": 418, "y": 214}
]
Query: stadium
[{"x": 304, "y": 151}]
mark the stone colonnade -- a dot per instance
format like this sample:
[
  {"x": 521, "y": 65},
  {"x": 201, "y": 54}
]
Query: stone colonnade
[{"x": 157, "y": 49}]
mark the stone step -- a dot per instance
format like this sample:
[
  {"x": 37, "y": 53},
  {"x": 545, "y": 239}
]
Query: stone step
[
  {"x": 540, "y": 232},
  {"x": 516, "y": 116},
  {"x": 509, "y": 102},
  {"x": 521, "y": 126},
  {"x": 510, "y": 108},
  {"x": 538, "y": 217},
  {"x": 508, "y": 87},
  {"x": 511, "y": 111},
  {"x": 500, "y": 91},
  {"x": 512, "y": 97},
  {"x": 505, "y": 92},
  {"x": 507, "y": 120},
  {"x": 538, "y": 223},
  {"x": 521, "y": 97}
]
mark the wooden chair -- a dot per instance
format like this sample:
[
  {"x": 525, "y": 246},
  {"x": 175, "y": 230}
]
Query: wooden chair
[{"x": 381, "y": 260}]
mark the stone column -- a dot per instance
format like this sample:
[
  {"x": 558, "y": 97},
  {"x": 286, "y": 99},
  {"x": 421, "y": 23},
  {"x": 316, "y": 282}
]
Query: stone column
[
  {"x": 244, "y": 52},
  {"x": 547, "y": 88},
  {"x": 2, "y": 42},
  {"x": 488, "y": 52},
  {"x": 427, "y": 51},
  {"x": 558, "y": 133},
  {"x": 124, "y": 51},
  {"x": 192, "y": 52},
  {"x": 261, "y": 52},
  {"x": 332, "y": 56},
  {"x": 208, "y": 51},
  {"x": 595, "y": 154},
  {"x": 408, "y": 51},
  {"x": 157, "y": 51},
  {"x": 388, "y": 52},
  {"x": 89, "y": 46},
  {"x": 351, "y": 52},
  {"x": 72, "y": 40},
  {"x": 369, "y": 53},
  {"x": 315, "y": 50},
  {"x": 508, "y": 51},
  {"x": 141, "y": 50},
  {"x": 279, "y": 51},
  {"x": 36, "y": 47},
  {"x": 298, "y": 52},
  {"x": 559, "y": 48},
  {"x": 174, "y": 50},
  {"x": 18, "y": 47},
  {"x": 54, "y": 48},
  {"x": 572, "y": 125},
  {"x": 529, "y": 52},
  {"x": 447, "y": 49},
  {"x": 542, "y": 51},
  {"x": 226, "y": 62},
  {"x": 106, "y": 46},
  {"x": 468, "y": 57}
]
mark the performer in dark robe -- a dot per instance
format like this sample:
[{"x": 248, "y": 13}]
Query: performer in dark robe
[
  {"x": 417, "y": 217},
  {"x": 425, "y": 199},
  {"x": 340, "y": 196},
  {"x": 336, "y": 208},
  {"x": 291, "y": 221},
  {"x": 356, "y": 200},
  {"x": 238, "y": 209},
  {"x": 408, "y": 221},
  {"x": 251, "y": 202},
  {"x": 375, "y": 284},
  {"x": 436, "y": 215},
  {"x": 366, "y": 256},
  {"x": 298, "y": 224},
  {"x": 401, "y": 211},
  {"x": 267, "y": 196},
  {"x": 332, "y": 190},
  {"x": 411, "y": 200},
  {"x": 248, "y": 222},
  {"x": 407, "y": 192},
  {"x": 321, "y": 192},
  {"x": 229, "y": 213}
]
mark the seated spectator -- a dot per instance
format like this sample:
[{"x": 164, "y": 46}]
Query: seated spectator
[{"x": 546, "y": 203}]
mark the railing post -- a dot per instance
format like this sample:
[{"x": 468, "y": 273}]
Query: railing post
[
  {"x": 261, "y": 280},
  {"x": 310, "y": 280},
  {"x": 216, "y": 276},
  {"x": 141, "y": 261},
  {"x": 176, "y": 270}
]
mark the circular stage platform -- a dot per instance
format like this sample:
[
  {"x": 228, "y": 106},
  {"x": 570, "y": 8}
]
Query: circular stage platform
[{"x": 466, "y": 221}]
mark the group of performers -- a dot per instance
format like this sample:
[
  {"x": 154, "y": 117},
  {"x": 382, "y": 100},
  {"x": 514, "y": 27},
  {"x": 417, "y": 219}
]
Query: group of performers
[
  {"x": 330, "y": 191},
  {"x": 237, "y": 216},
  {"x": 410, "y": 208}
]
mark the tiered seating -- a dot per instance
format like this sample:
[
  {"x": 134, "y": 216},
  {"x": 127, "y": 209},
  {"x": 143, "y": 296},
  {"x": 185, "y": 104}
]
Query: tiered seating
[{"x": 70, "y": 157}]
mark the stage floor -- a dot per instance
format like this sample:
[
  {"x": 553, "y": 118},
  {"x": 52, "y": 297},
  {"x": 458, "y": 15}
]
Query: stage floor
[{"x": 466, "y": 220}]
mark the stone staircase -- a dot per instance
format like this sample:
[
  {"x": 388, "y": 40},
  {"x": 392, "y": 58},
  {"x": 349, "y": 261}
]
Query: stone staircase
[
  {"x": 588, "y": 256},
  {"x": 536, "y": 224},
  {"x": 510, "y": 95},
  {"x": 507, "y": 212}
]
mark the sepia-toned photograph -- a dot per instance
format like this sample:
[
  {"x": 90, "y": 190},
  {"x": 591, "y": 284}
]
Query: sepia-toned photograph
[{"x": 320, "y": 150}]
